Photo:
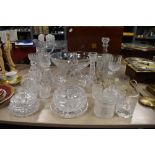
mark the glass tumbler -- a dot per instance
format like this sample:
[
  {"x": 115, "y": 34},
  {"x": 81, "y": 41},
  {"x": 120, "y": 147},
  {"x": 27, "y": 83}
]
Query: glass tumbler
[
  {"x": 105, "y": 100},
  {"x": 126, "y": 108},
  {"x": 104, "y": 109}
]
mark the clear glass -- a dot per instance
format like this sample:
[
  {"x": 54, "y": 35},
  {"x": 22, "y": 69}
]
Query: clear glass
[
  {"x": 105, "y": 43},
  {"x": 33, "y": 58},
  {"x": 44, "y": 59},
  {"x": 104, "y": 110},
  {"x": 69, "y": 101},
  {"x": 45, "y": 84},
  {"x": 44, "y": 91},
  {"x": 50, "y": 42},
  {"x": 115, "y": 63},
  {"x": 69, "y": 64},
  {"x": 92, "y": 72},
  {"x": 24, "y": 103},
  {"x": 105, "y": 100},
  {"x": 102, "y": 65},
  {"x": 126, "y": 107},
  {"x": 41, "y": 37}
]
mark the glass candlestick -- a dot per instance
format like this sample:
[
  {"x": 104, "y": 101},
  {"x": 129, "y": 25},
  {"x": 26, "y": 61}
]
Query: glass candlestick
[{"x": 92, "y": 59}]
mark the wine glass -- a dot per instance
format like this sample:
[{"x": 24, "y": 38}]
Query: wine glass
[{"x": 114, "y": 64}]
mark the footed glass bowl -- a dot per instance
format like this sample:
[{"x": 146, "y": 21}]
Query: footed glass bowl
[{"x": 68, "y": 63}]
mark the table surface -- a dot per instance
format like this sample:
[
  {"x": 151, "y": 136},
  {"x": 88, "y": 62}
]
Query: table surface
[{"x": 142, "y": 117}]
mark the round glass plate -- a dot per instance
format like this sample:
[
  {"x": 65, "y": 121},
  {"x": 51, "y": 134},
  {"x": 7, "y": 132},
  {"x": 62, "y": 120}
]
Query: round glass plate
[{"x": 69, "y": 101}]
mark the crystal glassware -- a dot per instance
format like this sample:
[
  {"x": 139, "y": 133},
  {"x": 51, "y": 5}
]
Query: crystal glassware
[
  {"x": 92, "y": 59},
  {"x": 102, "y": 65},
  {"x": 115, "y": 63},
  {"x": 33, "y": 58},
  {"x": 44, "y": 59},
  {"x": 105, "y": 100},
  {"x": 69, "y": 64},
  {"x": 24, "y": 103},
  {"x": 50, "y": 43},
  {"x": 41, "y": 37},
  {"x": 105, "y": 43},
  {"x": 69, "y": 101},
  {"x": 126, "y": 107},
  {"x": 34, "y": 71},
  {"x": 45, "y": 84}
]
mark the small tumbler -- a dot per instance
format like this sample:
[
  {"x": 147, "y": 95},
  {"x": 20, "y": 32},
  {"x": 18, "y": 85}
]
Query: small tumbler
[
  {"x": 104, "y": 109},
  {"x": 126, "y": 108}
]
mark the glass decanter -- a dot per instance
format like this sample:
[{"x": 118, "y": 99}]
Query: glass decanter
[
  {"x": 102, "y": 59},
  {"x": 25, "y": 101},
  {"x": 34, "y": 71},
  {"x": 46, "y": 75}
]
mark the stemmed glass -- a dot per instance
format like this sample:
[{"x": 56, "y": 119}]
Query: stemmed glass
[{"x": 115, "y": 64}]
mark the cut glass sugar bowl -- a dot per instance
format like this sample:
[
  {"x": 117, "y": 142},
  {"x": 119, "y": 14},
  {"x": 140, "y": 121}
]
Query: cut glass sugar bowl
[{"x": 69, "y": 101}]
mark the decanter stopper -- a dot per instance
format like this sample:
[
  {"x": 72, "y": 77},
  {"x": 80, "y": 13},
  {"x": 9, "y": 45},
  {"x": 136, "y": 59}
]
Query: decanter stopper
[
  {"x": 105, "y": 43},
  {"x": 41, "y": 37}
]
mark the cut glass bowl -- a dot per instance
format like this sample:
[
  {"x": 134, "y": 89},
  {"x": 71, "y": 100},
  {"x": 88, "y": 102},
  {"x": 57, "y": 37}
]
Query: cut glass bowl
[{"x": 69, "y": 101}]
